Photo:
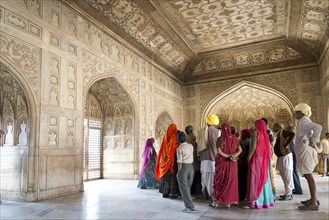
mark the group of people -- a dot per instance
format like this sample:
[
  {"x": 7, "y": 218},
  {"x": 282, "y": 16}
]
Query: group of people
[{"x": 231, "y": 167}]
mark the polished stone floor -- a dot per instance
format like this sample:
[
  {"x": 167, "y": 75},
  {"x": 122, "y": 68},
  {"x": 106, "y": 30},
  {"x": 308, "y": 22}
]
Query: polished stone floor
[{"x": 120, "y": 199}]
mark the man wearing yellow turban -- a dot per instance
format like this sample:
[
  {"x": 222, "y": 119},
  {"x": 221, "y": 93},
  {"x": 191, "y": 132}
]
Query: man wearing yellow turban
[
  {"x": 307, "y": 134},
  {"x": 207, "y": 149}
]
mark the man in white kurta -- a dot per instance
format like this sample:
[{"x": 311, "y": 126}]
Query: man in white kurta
[
  {"x": 307, "y": 135},
  {"x": 284, "y": 163}
]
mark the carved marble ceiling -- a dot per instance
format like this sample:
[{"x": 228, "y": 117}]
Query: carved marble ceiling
[{"x": 204, "y": 39}]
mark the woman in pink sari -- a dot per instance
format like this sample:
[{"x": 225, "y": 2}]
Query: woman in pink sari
[
  {"x": 259, "y": 192},
  {"x": 147, "y": 178},
  {"x": 226, "y": 171}
]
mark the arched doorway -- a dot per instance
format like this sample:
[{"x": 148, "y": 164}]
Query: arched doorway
[
  {"x": 245, "y": 102},
  {"x": 109, "y": 131},
  {"x": 15, "y": 125},
  {"x": 161, "y": 125}
]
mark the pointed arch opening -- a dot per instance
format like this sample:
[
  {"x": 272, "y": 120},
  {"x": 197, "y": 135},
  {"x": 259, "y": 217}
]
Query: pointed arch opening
[
  {"x": 109, "y": 131},
  {"x": 17, "y": 135},
  {"x": 161, "y": 125},
  {"x": 245, "y": 102}
]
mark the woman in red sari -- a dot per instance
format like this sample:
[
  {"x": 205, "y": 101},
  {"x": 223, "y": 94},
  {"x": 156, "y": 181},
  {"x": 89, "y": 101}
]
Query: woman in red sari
[{"x": 226, "y": 174}]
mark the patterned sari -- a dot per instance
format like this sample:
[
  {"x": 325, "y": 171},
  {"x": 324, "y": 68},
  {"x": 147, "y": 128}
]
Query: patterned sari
[{"x": 147, "y": 178}]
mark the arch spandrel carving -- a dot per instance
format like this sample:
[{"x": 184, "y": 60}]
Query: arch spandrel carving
[
  {"x": 161, "y": 126},
  {"x": 242, "y": 104},
  {"x": 25, "y": 57}
]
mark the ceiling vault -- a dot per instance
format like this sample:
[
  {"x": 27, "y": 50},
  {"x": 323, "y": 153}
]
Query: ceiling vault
[{"x": 202, "y": 40}]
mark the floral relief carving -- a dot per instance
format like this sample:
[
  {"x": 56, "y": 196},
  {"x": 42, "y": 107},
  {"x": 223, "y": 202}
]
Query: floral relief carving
[
  {"x": 135, "y": 23},
  {"x": 70, "y": 132},
  {"x": 20, "y": 23},
  {"x": 16, "y": 21},
  {"x": 55, "y": 40},
  {"x": 35, "y": 30},
  {"x": 33, "y": 6},
  {"x": 313, "y": 24},
  {"x": 247, "y": 59},
  {"x": 2, "y": 12},
  {"x": 71, "y": 86},
  {"x": 25, "y": 56},
  {"x": 208, "y": 25},
  {"x": 55, "y": 69},
  {"x": 55, "y": 13},
  {"x": 36, "y": 7},
  {"x": 72, "y": 49}
]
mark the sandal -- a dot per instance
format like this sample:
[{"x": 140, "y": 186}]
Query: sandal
[
  {"x": 244, "y": 207},
  {"x": 187, "y": 210},
  {"x": 213, "y": 206},
  {"x": 305, "y": 202},
  {"x": 308, "y": 208}
]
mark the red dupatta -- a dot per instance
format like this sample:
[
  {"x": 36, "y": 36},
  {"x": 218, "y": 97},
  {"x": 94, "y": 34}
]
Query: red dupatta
[
  {"x": 166, "y": 155},
  {"x": 259, "y": 162},
  {"x": 229, "y": 142}
]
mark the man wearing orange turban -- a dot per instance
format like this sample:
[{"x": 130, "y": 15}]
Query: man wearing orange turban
[{"x": 208, "y": 138}]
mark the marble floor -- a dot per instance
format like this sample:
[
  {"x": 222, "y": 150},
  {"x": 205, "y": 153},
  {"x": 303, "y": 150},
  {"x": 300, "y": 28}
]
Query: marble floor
[{"x": 120, "y": 199}]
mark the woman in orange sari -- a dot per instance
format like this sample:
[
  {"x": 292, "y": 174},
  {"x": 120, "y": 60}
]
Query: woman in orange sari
[{"x": 166, "y": 166}]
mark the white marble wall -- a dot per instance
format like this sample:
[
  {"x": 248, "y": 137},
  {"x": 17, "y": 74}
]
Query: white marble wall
[{"x": 57, "y": 54}]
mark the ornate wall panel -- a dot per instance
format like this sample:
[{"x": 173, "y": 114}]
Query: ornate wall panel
[
  {"x": 71, "y": 86},
  {"x": 20, "y": 23},
  {"x": 25, "y": 57},
  {"x": 54, "y": 80},
  {"x": 33, "y": 6}
]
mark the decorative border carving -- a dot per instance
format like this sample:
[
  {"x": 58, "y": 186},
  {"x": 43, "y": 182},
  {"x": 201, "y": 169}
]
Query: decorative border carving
[
  {"x": 25, "y": 56},
  {"x": 20, "y": 23}
]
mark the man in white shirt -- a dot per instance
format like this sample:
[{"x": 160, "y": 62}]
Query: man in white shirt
[
  {"x": 185, "y": 171},
  {"x": 284, "y": 163},
  {"x": 307, "y": 134},
  {"x": 324, "y": 145}
]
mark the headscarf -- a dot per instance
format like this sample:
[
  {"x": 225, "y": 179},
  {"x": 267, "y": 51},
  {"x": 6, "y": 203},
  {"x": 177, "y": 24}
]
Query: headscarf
[
  {"x": 259, "y": 162},
  {"x": 279, "y": 124},
  {"x": 146, "y": 156},
  {"x": 228, "y": 140},
  {"x": 212, "y": 120},
  {"x": 304, "y": 108},
  {"x": 245, "y": 133},
  {"x": 166, "y": 156}
]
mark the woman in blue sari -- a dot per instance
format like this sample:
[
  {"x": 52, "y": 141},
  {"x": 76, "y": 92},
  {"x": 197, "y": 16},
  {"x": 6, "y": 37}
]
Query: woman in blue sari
[{"x": 147, "y": 178}]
